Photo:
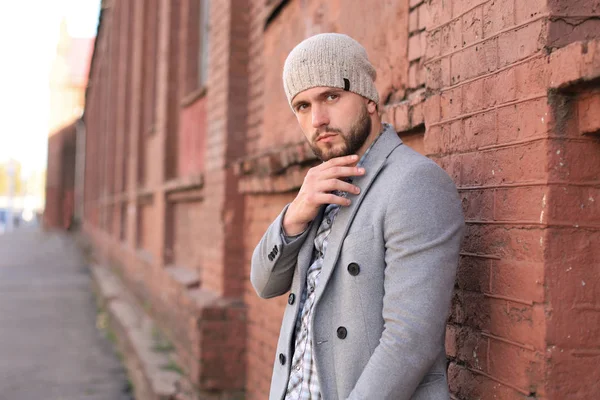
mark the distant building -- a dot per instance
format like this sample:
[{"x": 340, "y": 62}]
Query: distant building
[{"x": 68, "y": 81}]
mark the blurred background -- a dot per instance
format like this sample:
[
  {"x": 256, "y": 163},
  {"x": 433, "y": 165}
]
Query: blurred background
[{"x": 47, "y": 46}]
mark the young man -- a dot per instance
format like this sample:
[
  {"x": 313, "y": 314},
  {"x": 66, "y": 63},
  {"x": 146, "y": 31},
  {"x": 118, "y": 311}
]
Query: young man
[{"x": 368, "y": 248}]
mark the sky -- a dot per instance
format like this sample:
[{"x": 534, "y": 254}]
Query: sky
[{"x": 28, "y": 37}]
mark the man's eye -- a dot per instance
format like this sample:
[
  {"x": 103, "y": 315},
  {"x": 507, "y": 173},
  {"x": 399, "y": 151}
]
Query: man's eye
[
  {"x": 332, "y": 97},
  {"x": 301, "y": 107}
]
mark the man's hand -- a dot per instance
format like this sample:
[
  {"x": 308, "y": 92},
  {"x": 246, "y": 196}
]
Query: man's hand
[{"x": 319, "y": 183}]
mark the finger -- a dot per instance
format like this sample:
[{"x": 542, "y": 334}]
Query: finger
[
  {"x": 340, "y": 172},
  {"x": 330, "y": 185},
  {"x": 329, "y": 198},
  {"x": 345, "y": 160}
]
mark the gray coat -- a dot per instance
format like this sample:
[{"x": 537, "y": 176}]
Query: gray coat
[{"x": 387, "y": 279}]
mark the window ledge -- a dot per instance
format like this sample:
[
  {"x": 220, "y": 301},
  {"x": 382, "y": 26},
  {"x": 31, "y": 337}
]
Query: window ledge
[{"x": 192, "y": 97}]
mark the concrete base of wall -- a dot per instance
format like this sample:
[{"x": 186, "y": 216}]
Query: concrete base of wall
[{"x": 150, "y": 361}]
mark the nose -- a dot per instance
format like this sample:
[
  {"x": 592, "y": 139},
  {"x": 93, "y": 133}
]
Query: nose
[{"x": 319, "y": 116}]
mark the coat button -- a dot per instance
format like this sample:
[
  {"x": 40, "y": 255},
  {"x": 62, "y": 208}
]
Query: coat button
[
  {"x": 291, "y": 298},
  {"x": 342, "y": 332},
  {"x": 281, "y": 358},
  {"x": 353, "y": 269}
]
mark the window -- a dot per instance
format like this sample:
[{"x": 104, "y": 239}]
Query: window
[{"x": 203, "y": 50}]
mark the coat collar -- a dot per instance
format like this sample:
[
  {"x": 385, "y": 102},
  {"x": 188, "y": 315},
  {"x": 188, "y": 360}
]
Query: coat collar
[{"x": 373, "y": 163}]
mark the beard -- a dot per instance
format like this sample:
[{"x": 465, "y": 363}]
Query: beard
[{"x": 352, "y": 141}]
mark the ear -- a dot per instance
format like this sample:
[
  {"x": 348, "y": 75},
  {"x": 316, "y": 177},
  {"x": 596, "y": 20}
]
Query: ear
[{"x": 371, "y": 107}]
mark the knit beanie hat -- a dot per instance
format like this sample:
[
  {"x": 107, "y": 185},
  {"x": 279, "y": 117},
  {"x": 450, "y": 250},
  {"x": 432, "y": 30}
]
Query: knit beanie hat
[{"x": 332, "y": 60}]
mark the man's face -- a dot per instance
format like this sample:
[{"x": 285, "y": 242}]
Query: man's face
[{"x": 335, "y": 122}]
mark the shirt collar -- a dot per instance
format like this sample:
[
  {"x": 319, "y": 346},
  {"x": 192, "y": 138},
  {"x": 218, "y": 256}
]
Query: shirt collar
[{"x": 384, "y": 126}]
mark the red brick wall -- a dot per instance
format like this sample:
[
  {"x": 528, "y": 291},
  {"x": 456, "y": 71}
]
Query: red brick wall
[
  {"x": 176, "y": 211},
  {"x": 486, "y": 124},
  {"x": 572, "y": 254},
  {"x": 184, "y": 180}
]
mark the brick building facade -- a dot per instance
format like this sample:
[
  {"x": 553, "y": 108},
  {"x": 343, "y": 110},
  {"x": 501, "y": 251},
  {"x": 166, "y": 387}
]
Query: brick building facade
[{"x": 192, "y": 150}]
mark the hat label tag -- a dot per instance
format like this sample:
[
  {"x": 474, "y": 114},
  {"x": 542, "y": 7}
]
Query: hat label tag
[{"x": 346, "y": 84}]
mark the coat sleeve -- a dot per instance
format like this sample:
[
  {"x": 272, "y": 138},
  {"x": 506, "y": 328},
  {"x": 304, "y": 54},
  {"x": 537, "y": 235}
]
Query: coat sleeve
[
  {"x": 274, "y": 260},
  {"x": 423, "y": 231}
]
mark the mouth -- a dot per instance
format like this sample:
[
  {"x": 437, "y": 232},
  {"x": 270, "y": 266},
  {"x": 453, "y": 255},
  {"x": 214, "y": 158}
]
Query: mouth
[{"x": 326, "y": 137}]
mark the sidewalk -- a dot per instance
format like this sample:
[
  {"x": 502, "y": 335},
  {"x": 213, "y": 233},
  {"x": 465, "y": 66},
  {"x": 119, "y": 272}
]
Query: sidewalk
[{"x": 50, "y": 347}]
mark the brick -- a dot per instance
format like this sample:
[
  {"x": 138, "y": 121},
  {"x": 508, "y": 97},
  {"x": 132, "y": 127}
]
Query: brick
[
  {"x": 435, "y": 140},
  {"x": 440, "y": 12},
  {"x": 508, "y": 124},
  {"x": 459, "y": 7},
  {"x": 474, "y": 96},
  {"x": 523, "y": 120},
  {"x": 401, "y": 120},
  {"x": 518, "y": 280},
  {"x": 450, "y": 338},
  {"x": 417, "y": 116},
  {"x": 457, "y": 140},
  {"x": 527, "y": 41},
  {"x": 465, "y": 384},
  {"x": 588, "y": 111},
  {"x": 471, "y": 169},
  {"x": 434, "y": 44},
  {"x": 564, "y": 67},
  {"x": 499, "y": 166},
  {"x": 574, "y": 205},
  {"x": 414, "y": 75},
  {"x": 451, "y": 103},
  {"x": 438, "y": 73},
  {"x": 387, "y": 115},
  {"x": 415, "y": 46},
  {"x": 432, "y": 110},
  {"x": 505, "y": 242},
  {"x": 521, "y": 204},
  {"x": 503, "y": 85},
  {"x": 413, "y": 21},
  {"x": 473, "y": 273},
  {"x": 571, "y": 375},
  {"x": 424, "y": 20},
  {"x": 497, "y": 15},
  {"x": 514, "y": 321},
  {"x": 472, "y": 26},
  {"x": 574, "y": 7},
  {"x": 480, "y": 130},
  {"x": 575, "y": 321},
  {"x": 532, "y": 77},
  {"x": 473, "y": 350},
  {"x": 474, "y": 61},
  {"x": 521, "y": 367},
  {"x": 451, "y": 38},
  {"x": 526, "y": 10}
]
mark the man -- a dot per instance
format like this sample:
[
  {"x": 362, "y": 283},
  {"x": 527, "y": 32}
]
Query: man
[{"x": 368, "y": 248}]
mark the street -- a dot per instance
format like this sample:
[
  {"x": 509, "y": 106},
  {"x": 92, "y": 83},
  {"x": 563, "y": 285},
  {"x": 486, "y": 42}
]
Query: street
[{"x": 50, "y": 347}]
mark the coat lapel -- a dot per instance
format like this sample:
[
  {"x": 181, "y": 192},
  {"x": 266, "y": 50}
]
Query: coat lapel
[{"x": 374, "y": 161}]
